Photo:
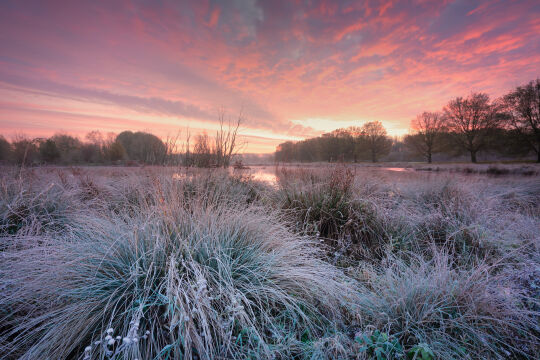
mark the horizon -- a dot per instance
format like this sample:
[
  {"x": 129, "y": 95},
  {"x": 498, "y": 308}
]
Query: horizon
[{"x": 294, "y": 70}]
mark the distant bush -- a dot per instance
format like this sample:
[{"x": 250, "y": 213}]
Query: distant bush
[
  {"x": 143, "y": 147},
  {"x": 5, "y": 150},
  {"x": 493, "y": 170}
]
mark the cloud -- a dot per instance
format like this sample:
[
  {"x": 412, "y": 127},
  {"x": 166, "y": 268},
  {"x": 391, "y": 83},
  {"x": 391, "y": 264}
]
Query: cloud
[
  {"x": 154, "y": 105},
  {"x": 344, "y": 61}
]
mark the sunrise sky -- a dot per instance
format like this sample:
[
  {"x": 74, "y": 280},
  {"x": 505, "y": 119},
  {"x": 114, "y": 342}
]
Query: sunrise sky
[{"x": 296, "y": 68}]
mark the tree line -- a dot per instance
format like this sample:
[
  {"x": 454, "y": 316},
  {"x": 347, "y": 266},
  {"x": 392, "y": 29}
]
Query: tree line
[
  {"x": 127, "y": 148},
  {"x": 509, "y": 126},
  {"x": 96, "y": 148}
]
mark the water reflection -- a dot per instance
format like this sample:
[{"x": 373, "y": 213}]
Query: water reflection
[
  {"x": 260, "y": 173},
  {"x": 267, "y": 174},
  {"x": 399, "y": 169}
]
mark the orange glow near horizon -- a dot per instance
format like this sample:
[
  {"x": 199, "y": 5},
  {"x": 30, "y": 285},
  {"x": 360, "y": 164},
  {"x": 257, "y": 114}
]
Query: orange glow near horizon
[{"x": 295, "y": 70}]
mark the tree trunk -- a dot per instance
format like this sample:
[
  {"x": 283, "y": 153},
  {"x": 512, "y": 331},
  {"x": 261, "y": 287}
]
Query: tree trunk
[
  {"x": 473, "y": 156},
  {"x": 429, "y": 158},
  {"x": 373, "y": 157},
  {"x": 538, "y": 157}
]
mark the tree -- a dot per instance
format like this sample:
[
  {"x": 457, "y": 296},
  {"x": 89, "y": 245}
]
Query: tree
[
  {"x": 356, "y": 133},
  {"x": 202, "y": 151},
  {"x": 376, "y": 140},
  {"x": 427, "y": 128},
  {"x": 25, "y": 150},
  {"x": 285, "y": 152},
  {"x": 116, "y": 151},
  {"x": 225, "y": 141},
  {"x": 48, "y": 151},
  {"x": 94, "y": 148},
  {"x": 471, "y": 121},
  {"x": 143, "y": 147},
  {"x": 5, "y": 149},
  {"x": 69, "y": 148},
  {"x": 522, "y": 107}
]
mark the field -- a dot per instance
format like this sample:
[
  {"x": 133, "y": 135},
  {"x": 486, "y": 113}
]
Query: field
[{"x": 321, "y": 262}]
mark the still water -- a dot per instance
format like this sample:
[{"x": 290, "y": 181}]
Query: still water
[{"x": 267, "y": 174}]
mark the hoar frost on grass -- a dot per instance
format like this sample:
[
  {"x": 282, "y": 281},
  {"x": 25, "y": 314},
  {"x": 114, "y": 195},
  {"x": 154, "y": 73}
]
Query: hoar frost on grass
[{"x": 334, "y": 263}]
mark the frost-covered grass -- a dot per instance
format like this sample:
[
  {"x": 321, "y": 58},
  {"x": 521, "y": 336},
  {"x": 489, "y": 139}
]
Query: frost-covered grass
[{"x": 334, "y": 262}]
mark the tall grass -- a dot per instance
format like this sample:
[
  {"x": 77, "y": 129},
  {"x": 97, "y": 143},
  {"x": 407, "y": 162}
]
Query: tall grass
[
  {"x": 333, "y": 263},
  {"x": 194, "y": 280},
  {"x": 31, "y": 205},
  {"x": 325, "y": 206},
  {"x": 457, "y": 313}
]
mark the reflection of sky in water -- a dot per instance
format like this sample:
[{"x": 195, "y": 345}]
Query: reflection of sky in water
[
  {"x": 267, "y": 174},
  {"x": 259, "y": 173},
  {"x": 399, "y": 169}
]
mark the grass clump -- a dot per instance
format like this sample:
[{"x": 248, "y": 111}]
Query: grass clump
[
  {"x": 326, "y": 207},
  {"x": 456, "y": 312},
  {"x": 190, "y": 283},
  {"x": 34, "y": 206}
]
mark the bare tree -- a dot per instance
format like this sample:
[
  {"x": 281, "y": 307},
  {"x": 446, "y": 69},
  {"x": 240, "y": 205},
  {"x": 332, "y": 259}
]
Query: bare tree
[
  {"x": 202, "y": 150},
  {"x": 95, "y": 149},
  {"x": 427, "y": 129},
  {"x": 376, "y": 139},
  {"x": 522, "y": 108},
  {"x": 186, "y": 149},
  {"x": 171, "y": 148},
  {"x": 225, "y": 141},
  {"x": 95, "y": 137},
  {"x": 471, "y": 120},
  {"x": 25, "y": 150}
]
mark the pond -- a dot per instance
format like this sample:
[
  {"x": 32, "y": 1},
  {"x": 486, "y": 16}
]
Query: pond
[
  {"x": 399, "y": 169},
  {"x": 267, "y": 174}
]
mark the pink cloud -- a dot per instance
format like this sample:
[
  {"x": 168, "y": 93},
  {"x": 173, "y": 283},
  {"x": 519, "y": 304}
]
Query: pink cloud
[{"x": 280, "y": 61}]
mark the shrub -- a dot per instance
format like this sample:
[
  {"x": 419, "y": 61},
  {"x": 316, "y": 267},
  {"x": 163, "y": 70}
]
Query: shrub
[
  {"x": 380, "y": 346},
  {"x": 494, "y": 170},
  {"x": 447, "y": 215}
]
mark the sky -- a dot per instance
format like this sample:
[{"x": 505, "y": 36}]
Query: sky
[{"x": 295, "y": 69}]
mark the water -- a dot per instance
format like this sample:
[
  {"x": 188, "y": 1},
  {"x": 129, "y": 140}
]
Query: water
[
  {"x": 267, "y": 174},
  {"x": 398, "y": 169}
]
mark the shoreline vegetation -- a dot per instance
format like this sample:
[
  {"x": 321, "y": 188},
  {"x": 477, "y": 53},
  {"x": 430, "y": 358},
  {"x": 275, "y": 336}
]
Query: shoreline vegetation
[
  {"x": 506, "y": 129},
  {"x": 333, "y": 262}
]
